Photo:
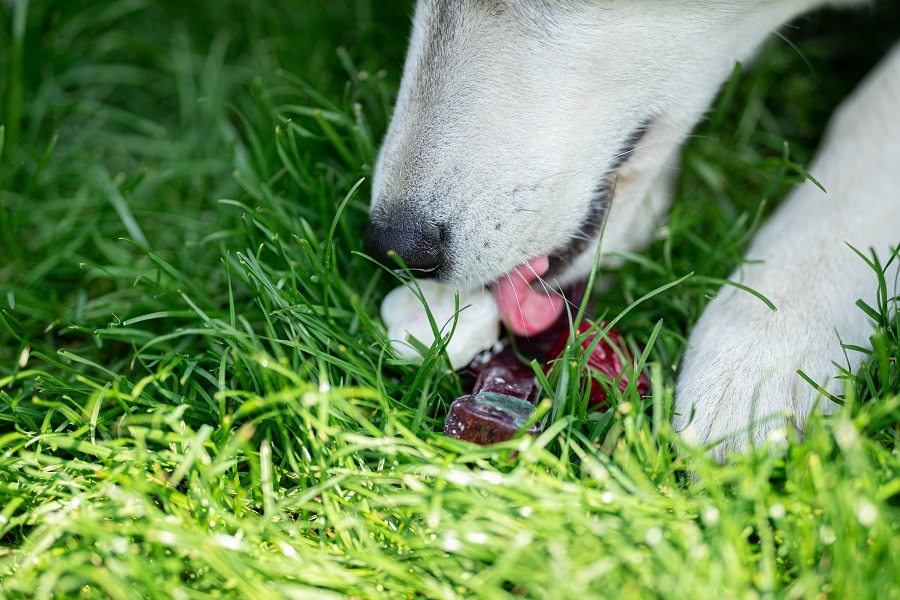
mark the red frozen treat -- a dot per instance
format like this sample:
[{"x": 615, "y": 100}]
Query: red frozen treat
[{"x": 606, "y": 358}]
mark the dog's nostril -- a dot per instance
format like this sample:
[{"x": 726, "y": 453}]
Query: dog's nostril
[{"x": 418, "y": 243}]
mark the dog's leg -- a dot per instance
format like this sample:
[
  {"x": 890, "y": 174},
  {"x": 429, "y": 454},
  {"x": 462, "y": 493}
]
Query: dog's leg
[{"x": 739, "y": 379}]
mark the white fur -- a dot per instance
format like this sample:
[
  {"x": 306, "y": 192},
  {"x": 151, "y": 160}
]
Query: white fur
[
  {"x": 512, "y": 112},
  {"x": 739, "y": 378}
]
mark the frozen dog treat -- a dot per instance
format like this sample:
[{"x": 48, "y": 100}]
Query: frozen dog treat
[
  {"x": 477, "y": 326},
  {"x": 607, "y": 359},
  {"x": 487, "y": 418},
  {"x": 504, "y": 394},
  {"x": 498, "y": 406}
]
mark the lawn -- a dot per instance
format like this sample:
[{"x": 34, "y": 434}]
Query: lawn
[{"x": 197, "y": 398}]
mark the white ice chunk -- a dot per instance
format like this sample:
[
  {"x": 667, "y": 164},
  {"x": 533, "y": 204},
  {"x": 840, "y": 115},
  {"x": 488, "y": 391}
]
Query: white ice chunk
[{"x": 477, "y": 329}]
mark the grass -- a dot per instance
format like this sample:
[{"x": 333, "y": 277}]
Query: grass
[{"x": 196, "y": 395}]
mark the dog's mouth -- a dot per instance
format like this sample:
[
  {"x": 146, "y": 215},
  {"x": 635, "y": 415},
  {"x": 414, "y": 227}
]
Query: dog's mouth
[
  {"x": 530, "y": 297},
  {"x": 528, "y": 303},
  {"x": 525, "y": 307}
]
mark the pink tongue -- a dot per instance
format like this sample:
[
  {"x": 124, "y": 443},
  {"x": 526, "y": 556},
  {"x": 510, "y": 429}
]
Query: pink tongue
[{"x": 527, "y": 310}]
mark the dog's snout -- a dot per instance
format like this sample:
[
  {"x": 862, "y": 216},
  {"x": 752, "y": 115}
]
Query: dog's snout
[{"x": 418, "y": 243}]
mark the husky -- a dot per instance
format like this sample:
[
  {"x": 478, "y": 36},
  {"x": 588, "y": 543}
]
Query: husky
[{"x": 522, "y": 128}]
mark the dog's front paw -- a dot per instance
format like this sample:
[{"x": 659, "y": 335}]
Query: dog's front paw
[{"x": 740, "y": 383}]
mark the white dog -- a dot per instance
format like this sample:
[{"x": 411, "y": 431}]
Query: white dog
[{"x": 524, "y": 126}]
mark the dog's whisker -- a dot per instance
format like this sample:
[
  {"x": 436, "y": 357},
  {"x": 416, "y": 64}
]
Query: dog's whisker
[
  {"x": 613, "y": 158},
  {"x": 516, "y": 294},
  {"x": 583, "y": 237},
  {"x": 548, "y": 289},
  {"x": 522, "y": 275}
]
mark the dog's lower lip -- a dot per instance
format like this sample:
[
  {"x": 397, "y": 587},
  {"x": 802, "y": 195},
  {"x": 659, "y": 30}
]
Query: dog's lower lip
[
  {"x": 557, "y": 265},
  {"x": 588, "y": 230}
]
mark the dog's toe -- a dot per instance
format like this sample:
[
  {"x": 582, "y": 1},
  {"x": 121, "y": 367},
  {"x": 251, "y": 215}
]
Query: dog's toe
[{"x": 740, "y": 384}]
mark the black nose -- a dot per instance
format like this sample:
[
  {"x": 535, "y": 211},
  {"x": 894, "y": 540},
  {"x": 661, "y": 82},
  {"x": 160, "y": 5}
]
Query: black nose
[{"x": 418, "y": 243}]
